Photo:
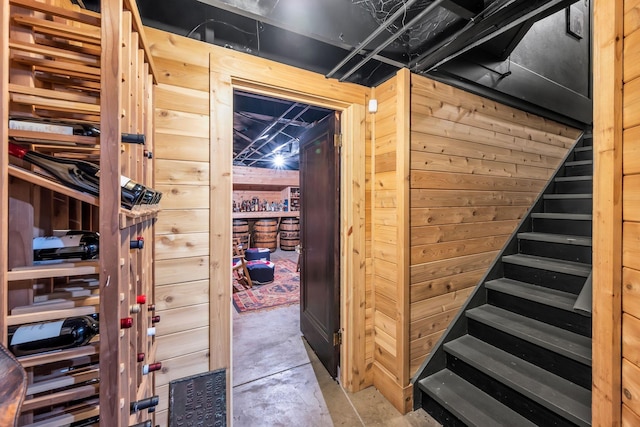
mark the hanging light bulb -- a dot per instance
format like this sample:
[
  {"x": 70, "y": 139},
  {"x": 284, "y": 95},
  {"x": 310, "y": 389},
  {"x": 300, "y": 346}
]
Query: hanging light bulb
[{"x": 278, "y": 161}]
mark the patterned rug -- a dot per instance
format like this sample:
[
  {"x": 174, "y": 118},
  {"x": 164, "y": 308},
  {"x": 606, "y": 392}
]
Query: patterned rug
[{"x": 284, "y": 290}]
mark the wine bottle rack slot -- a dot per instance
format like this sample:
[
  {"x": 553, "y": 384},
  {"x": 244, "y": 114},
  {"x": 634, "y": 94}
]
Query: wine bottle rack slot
[{"x": 59, "y": 356}]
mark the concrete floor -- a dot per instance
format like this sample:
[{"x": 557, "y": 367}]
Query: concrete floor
[{"x": 279, "y": 381}]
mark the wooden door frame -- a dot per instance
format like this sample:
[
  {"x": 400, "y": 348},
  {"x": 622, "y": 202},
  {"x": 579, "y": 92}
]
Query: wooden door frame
[{"x": 231, "y": 71}]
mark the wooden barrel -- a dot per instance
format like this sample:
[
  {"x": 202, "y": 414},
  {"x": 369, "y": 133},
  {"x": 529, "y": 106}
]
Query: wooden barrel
[
  {"x": 241, "y": 231},
  {"x": 265, "y": 232},
  {"x": 289, "y": 234}
]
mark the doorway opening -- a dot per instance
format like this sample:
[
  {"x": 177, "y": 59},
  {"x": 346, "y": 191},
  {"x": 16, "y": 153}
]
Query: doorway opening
[{"x": 271, "y": 217}]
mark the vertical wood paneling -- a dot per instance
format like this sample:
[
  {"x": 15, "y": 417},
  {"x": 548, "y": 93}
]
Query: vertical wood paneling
[
  {"x": 476, "y": 168},
  {"x": 607, "y": 211}
]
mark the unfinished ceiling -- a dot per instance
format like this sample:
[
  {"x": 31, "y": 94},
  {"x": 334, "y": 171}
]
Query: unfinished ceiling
[{"x": 360, "y": 41}]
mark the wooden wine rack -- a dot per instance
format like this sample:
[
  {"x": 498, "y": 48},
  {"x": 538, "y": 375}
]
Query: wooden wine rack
[{"x": 50, "y": 70}]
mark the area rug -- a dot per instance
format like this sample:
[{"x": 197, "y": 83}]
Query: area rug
[{"x": 284, "y": 290}]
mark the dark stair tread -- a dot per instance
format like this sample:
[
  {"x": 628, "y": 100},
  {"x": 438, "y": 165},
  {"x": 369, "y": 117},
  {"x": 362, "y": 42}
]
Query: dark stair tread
[
  {"x": 574, "y": 178},
  {"x": 579, "y": 163},
  {"x": 565, "y": 216},
  {"x": 569, "y": 344},
  {"x": 550, "y": 264},
  {"x": 568, "y": 196},
  {"x": 561, "y": 396},
  {"x": 587, "y": 148},
  {"x": 556, "y": 238},
  {"x": 468, "y": 403},
  {"x": 539, "y": 294}
]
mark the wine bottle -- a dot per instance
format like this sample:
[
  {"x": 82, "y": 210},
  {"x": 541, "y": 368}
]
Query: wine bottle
[
  {"x": 79, "y": 175},
  {"x": 151, "y": 367},
  {"x": 74, "y": 244},
  {"x": 48, "y": 336},
  {"x": 126, "y": 322},
  {"x": 136, "y": 244},
  {"x": 131, "y": 138},
  {"x": 144, "y": 404},
  {"x": 87, "y": 422}
]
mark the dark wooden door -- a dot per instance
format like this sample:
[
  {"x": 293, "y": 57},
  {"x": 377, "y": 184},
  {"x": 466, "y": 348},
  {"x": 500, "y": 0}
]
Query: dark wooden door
[{"x": 320, "y": 240}]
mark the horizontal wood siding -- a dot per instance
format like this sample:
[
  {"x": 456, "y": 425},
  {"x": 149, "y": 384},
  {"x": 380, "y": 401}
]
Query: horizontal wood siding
[
  {"x": 476, "y": 168},
  {"x": 384, "y": 234},
  {"x": 182, "y": 230},
  {"x": 631, "y": 218}
]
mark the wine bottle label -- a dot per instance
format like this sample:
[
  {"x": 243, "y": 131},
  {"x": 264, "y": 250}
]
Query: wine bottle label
[
  {"x": 40, "y": 331},
  {"x": 54, "y": 242}
]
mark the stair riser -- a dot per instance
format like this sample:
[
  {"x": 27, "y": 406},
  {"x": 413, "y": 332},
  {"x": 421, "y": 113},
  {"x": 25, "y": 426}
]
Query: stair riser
[
  {"x": 551, "y": 279},
  {"x": 562, "y": 226},
  {"x": 583, "y": 155},
  {"x": 560, "y": 365},
  {"x": 574, "y": 187},
  {"x": 577, "y": 206},
  {"x": 565, "y": 252},
  {"x": 507, "y": 396},
  {"x": 439, "y": 413},
  {"x": 578, "y": 170},
  {"x": 554, "y": 316},
  {"x": 587, "y": 141}
]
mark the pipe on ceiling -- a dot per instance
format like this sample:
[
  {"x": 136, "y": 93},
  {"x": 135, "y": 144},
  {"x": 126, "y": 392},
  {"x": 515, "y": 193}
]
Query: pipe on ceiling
[
  {"x": 272, "y": 137},
  {"x": 265, "y": 130},
  {"x": 391, "y": 38},
  {"x": 372, "y": 36}
]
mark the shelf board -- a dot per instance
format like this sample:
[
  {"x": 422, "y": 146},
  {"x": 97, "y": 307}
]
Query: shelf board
[
  {"x": 79, "y": 268},
  {"x": 55, "y": 138},
  {"x": 249, "y": 215},
  {"x": 44, "y": 182},
  {"x": 68, "y": 417},
  {"x": 69, "y": 395},
  {"x": 58, "y": 356},
  {"x": 45, "y": 316},
  {"x": 258, "y": 187},
  {"x": 130, "y": 218}
]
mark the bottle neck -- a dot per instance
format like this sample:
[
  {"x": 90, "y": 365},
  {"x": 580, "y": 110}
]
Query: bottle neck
[{"x": 17, "y": 151}]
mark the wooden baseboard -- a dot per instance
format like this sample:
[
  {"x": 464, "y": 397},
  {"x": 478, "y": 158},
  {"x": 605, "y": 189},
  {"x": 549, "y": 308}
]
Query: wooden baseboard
[{"x": 401, "y": 397}]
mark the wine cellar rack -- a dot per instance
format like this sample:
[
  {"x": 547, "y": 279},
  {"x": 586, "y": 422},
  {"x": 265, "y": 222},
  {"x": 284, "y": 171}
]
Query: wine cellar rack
[{"x": 51, "y": 73}]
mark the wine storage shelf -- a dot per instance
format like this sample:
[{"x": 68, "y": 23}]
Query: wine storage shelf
[{"x": 53, "y": 77}]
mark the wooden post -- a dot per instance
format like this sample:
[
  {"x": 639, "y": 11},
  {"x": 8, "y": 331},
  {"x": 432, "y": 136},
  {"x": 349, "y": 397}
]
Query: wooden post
[
  {"x": 4, "y": 184},
  {"x": 607, "y": 212},
  {"x": 113, "y": 387},
  {"x": 403, "y": 164}
]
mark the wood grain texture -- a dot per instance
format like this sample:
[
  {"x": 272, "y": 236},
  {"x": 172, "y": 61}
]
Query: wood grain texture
[
  {"x": 607, "y": 211},
  {"x": 476, "y": 167},
  {"x": 110, "y": 105}
]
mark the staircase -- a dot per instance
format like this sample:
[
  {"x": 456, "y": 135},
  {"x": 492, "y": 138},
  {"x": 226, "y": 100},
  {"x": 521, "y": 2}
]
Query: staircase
[{"x": 519, "y": 353}]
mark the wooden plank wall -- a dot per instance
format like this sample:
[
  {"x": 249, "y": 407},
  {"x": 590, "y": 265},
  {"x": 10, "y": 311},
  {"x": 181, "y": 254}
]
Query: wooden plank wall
[
  {"x": 630, "y": 369},
  {"x": 389, "y": 241},
  {"x": 476, "y": 168},
  {"x": 194, "y": 77},
  {"x": 182, "y": 230}
]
